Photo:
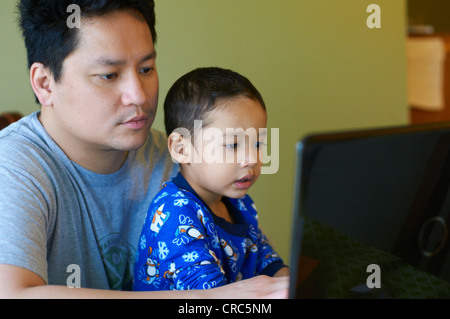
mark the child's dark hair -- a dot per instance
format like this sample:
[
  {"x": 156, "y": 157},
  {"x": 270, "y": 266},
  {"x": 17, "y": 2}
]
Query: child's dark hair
[
  {"x": 49, "y": 40},
  {"x": 197, "y": 93}
]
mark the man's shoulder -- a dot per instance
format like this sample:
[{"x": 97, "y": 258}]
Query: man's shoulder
[
  {"x": 157, "y": 140},
  {"x": 16, "y": 129},
  {"x": 155, "y": 147},
  {"x": 20, "y": 140},
  {"x": 26, "y": 151},
  {"x": 154, "y": 154}
]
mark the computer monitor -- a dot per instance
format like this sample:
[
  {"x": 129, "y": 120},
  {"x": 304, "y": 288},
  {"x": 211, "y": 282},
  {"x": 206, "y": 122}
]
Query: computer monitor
[{"x": 371, "y": 197}]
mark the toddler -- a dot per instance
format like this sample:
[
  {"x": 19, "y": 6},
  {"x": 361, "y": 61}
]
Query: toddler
[{"x": 201, "y": 229}]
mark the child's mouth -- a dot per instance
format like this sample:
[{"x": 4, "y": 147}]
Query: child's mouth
[{"x": 245, "y": 182}]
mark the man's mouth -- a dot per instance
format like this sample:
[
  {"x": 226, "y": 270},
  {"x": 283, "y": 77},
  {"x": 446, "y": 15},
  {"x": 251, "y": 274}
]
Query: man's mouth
[{"x": 137, "y": 122}]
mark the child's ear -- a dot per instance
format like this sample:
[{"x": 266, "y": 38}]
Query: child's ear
[{"x": 179, "y": 147}]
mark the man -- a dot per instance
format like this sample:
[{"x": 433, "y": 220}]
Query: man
[{"x": 77, "y": 177}]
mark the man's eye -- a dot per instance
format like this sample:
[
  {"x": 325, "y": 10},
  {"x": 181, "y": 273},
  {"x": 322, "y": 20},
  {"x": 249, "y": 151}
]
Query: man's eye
[
  {"x": 109, "y": 77},
  {"x": 147, "y": 70}
]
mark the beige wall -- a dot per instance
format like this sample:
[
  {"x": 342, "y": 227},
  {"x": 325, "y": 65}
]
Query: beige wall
[
  {"x": 317, "y": 64},
  {"x": 15, "y": 90}
]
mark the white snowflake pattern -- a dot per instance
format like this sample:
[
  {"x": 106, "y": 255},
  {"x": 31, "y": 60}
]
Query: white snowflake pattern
[
  {"x": 160, "y": 196},
  {"x": 163, "y": 251},
  {"x": 242, "y": 205},
  {"x": 143, "y": 242},
  {"x": 255, "y": 211},
  {"x": 180, "y": 202},
  {"x": 178, "y": 194},
  {"x": 245, "y": 244},
  {"x": 190, "y": 256}
]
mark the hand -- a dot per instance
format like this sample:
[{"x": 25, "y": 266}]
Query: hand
[{"x": 259, "y": 287}]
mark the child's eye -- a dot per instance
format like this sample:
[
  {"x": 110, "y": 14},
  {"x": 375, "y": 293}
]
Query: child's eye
[
  {"x": 109, "y": 77},
  {"x": 232, "y": 146},
  {"x": 260, "y": 144}
]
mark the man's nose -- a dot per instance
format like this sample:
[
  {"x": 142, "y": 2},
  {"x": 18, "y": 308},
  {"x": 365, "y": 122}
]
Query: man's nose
[{"x": 133, "y": 91}]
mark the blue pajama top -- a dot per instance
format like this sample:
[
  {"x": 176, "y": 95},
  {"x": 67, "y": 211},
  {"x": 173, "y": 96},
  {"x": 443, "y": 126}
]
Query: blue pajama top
[{"x": 183, "y": 245}]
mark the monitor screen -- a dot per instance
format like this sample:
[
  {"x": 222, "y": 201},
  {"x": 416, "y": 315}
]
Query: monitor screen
[{"x": 374, "y": 198}]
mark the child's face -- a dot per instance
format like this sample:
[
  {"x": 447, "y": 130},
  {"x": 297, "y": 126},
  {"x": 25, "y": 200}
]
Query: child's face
[{"x": 230, "y": 149}]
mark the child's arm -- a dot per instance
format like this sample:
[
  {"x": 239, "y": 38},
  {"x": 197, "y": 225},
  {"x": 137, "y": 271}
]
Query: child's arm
[
  {"x": 269, "y": 262},
  {"x": 282, "y": 272}
]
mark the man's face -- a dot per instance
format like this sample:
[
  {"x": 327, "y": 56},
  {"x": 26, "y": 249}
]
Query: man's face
[{"x": 107, "y": 96}]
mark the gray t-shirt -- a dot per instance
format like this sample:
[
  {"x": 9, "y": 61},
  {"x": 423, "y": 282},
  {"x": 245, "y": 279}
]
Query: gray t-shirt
[{"x": 54, "y": 213}]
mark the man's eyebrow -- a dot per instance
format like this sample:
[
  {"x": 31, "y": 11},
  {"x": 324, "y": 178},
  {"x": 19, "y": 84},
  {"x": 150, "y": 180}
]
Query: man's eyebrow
[
  {"x": 150, "y": 56},
  {"x": 105, "y": 61}
]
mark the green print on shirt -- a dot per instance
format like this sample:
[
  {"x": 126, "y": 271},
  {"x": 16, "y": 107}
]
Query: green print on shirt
[{"x": 118, "y": 257}]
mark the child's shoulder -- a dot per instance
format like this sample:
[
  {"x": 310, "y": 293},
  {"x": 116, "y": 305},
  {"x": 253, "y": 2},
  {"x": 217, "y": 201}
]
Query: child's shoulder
[
  {"x": 172, "y": 195},
  {"x": 245, "y": 204}
]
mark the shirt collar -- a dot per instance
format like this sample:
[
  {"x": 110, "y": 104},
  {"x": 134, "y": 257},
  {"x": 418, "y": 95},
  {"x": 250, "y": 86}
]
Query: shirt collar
[{"x": 182, "y": 183}]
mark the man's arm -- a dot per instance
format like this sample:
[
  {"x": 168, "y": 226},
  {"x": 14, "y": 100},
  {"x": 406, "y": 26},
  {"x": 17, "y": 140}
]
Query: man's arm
[{"x": 19, "y": 283}]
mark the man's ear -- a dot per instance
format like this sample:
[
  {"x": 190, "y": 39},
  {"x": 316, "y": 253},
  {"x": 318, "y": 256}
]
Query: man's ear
[
  {"x": 40, "y": 78},
  {"x": 180, "y": 148}
]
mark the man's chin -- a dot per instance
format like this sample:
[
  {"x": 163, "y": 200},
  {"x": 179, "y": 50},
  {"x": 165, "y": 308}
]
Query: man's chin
[{"x": 132, "y": 144}]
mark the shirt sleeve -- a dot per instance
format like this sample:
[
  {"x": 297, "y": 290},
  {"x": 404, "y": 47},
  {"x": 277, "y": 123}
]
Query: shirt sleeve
[
  {"x": 268, "y": 261},
  {"x": 177, "y": 246},
  {"x": 23, "y": 221}
]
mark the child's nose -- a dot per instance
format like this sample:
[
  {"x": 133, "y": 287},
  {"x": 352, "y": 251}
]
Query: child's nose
[{"x": 250, "y": 158}]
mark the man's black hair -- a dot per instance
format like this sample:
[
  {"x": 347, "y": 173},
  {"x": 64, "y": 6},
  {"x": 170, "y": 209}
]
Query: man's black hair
[{"x": 49, "y": 40}]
